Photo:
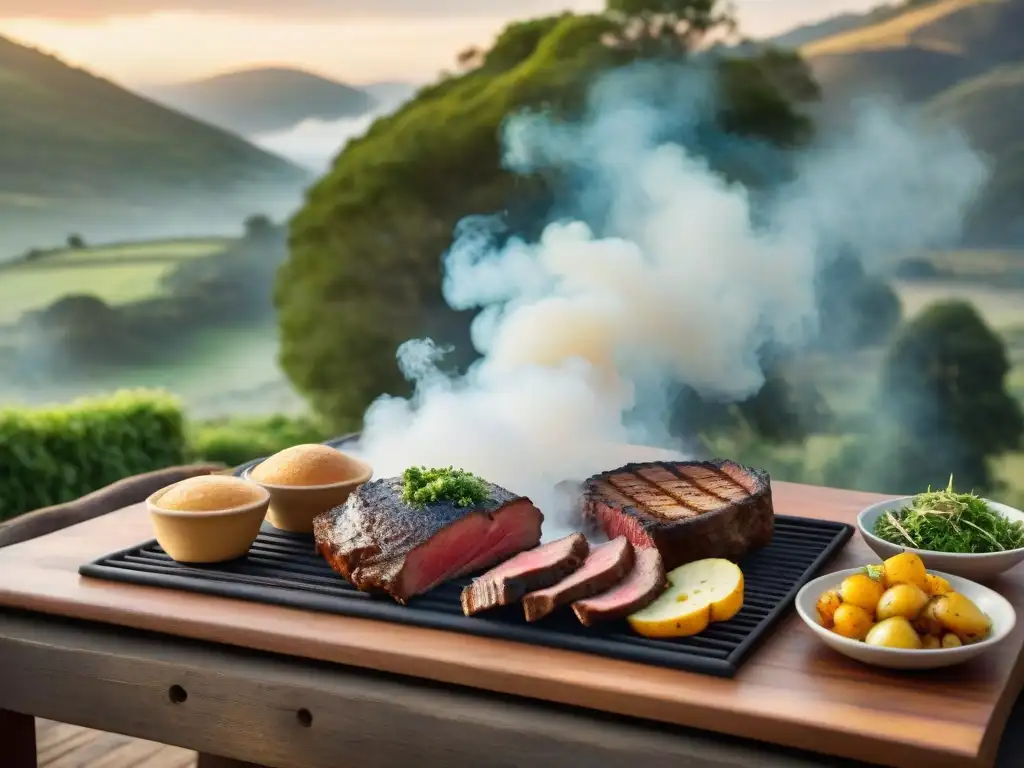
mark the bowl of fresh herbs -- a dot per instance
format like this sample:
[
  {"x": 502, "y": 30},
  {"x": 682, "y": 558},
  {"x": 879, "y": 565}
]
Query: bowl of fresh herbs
[{"x": 958, "y": 533}]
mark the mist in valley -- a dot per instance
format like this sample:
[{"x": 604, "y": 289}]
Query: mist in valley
[{"x": 314, "y": 143}]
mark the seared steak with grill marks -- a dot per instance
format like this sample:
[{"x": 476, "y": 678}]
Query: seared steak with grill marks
[
  {"x": 380, "y": 543},
  {"x": 638, "y": 590},
  {"x": 526, "y": 572},
  {"x": 606, "y": 565},
  {"x": 686, "y": 510}
]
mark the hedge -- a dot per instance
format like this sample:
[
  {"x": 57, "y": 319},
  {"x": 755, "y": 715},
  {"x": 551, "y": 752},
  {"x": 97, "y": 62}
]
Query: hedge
[
  {"x": 57, "y": 454},
  {"x": 237, "y": 440}
]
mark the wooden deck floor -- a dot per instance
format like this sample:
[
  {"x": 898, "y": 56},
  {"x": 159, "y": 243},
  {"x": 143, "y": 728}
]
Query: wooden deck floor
[{"x": 67, "y": 746}]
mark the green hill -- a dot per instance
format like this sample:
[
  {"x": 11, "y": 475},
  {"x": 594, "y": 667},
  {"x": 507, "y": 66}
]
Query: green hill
[
  {"x": 80, "y": 154},
  {"x": 963, "y": 61},
  {"x": 264, "y": 100},
  {"x": 921, "y": 51},
  {"x": 806, "y": 34},
  {"x": 363, "y": 275},
  {"x": 990, "y": 110}
]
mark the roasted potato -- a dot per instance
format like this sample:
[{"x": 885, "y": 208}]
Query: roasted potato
[
  {"x": 936, "y": 585},
  {"x": 895, "y": 632},
  {"x": 827, "y": 605},
  {"x": 852, "y": 621},
  {"x": 861, "y": 590},
  {"x": 957, "y": 614},
  {"x": 927, "y": 622},
  {"x": 904, "y": 600},
  {"x": 904, "y": 568}
]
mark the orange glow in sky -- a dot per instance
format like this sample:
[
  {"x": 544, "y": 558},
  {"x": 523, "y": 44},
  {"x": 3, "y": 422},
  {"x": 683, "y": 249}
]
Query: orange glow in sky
[
  {"x": 169, "y": 46},
  {"x": 174, "y": 46}
]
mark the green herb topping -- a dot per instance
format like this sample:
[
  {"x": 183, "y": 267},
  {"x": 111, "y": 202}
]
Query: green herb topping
[
  {"x": 945, "y": 521},
  {"x": 429, "y": 486}
]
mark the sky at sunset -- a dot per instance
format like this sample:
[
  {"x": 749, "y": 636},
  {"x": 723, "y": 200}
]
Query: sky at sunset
[{"x": 142, "y": 42}]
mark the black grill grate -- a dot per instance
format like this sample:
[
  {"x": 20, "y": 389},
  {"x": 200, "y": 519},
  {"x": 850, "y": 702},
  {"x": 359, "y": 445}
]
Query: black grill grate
[{"x": 283, "y": 569}]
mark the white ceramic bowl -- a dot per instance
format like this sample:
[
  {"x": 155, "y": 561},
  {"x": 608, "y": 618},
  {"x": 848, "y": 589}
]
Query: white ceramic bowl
[
  {"x": 994, "y": 605},
  {"x": 976, "y": 567}
]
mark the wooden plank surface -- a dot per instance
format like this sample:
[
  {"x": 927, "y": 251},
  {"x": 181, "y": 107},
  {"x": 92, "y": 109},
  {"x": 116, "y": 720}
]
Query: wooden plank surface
[
  {"x": 70, "y": 746},
  {"x": 793, "y": 691},
  {"x": 292, "y": 713}
]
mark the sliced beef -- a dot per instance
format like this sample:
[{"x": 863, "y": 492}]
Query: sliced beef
[
  {"x": 606, "y": 565},
  {"x": 638, "y": 590},
  {"x": 528, "y": 571},
  {"x": 382, "y": 544},
  {"x": 686, "y": 510}
]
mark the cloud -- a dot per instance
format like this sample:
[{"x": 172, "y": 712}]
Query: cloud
[{"x": 100, "y": 9}]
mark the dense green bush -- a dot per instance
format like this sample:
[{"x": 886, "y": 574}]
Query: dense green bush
[
  {"x": 364, "y": 273},
  {"x": 942, "y": 408},
  {"x": 52, "y": 455},
  {"x": 236, "y": 441}
]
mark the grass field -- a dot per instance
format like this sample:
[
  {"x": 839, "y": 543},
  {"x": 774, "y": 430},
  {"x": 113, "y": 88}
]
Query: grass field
[
  {"x": 169, "y": 250},
  {"x": 117, "y": 274},
  {"x": 221, "y": 372},
  {"x": 893, "y": 33}
]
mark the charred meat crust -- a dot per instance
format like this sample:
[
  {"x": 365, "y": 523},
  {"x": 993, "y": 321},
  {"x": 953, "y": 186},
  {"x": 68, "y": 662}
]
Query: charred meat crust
[
  {"x": 509, "y": 582},
  {"x": 742, "y": 521},
  {"x": 641, "y": 587},
  {"x": 369, "y": 538}
]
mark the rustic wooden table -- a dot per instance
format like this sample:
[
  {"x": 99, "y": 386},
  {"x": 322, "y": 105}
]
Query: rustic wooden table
[{"x": 285, "y": 688}]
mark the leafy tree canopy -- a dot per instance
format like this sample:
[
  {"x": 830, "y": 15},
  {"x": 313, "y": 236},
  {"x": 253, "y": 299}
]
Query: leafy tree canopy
[
  {"x": 364, "y": 269},
  {"x": 943, "y": 405}
]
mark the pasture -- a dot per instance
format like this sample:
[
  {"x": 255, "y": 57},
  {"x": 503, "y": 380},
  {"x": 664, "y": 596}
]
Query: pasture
[
  {"x": 892, "y": 33},
  {"x": 117, "y": 274}
]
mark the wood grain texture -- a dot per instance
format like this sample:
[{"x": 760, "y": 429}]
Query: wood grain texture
[
  {"x": 61, "y": 745},
  {"x": 793, "y": 691},
  {"x": 247, "y": 705}
]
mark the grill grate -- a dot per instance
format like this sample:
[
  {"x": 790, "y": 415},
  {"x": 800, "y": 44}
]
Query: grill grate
[{"x": 283, "y": 569}]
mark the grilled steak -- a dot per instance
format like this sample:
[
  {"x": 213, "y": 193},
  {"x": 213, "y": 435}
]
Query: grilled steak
[
  {"x": 638, "y": 590},
  {"x": 606, "y": 565},
  {"x": 686, "y": 510},
  {"x": 380, "y": 543},
  {"x": 526, "y": 572}
]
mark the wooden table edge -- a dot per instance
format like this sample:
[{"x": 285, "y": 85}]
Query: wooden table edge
[
  {"x": 265, "y": 693},
  {"x": 773, "y": 728},
  {"x": 779, "y": 730}
]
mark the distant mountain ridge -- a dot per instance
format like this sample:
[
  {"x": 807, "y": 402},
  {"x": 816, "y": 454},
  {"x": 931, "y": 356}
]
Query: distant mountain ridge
[
  {"x": 962, "y": 61},
  {"x": 264, "y": 100},
  {"x": 80, "y": 154}
]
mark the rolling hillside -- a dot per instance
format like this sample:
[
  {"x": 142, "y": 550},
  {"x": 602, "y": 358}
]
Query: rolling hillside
[
  {"x": 963, "y": 62},
  {"x": 80, "y": 154},
  {"x": 990, "y": 110},
  {"x": 920, "y": 52},
  {"x": 265, "y": 100},
  {"x": 806, "y": 34}
]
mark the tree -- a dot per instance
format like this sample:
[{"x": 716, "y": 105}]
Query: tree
[
  {"x": 258, "y": 227},
  {"x": 76, "y": 242},
  {"x": 942, "y": 406},
  {"x": 469, "y": 58},
  {"x": 855, "y": 310},
  {"x": 363, "y": 274},
  {"x": 651, "y": 27}
]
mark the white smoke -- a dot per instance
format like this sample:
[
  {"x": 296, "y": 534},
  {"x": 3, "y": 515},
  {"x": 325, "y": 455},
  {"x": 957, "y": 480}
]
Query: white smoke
[{"x": 684, "y": 285}]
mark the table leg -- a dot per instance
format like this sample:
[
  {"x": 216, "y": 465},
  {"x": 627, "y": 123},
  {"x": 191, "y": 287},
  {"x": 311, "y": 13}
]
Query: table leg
[
  {"x": 18, "y": 736},
  {"x": 212, "y": 761}
]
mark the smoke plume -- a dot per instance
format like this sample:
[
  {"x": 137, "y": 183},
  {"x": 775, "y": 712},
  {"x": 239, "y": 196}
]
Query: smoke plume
[{"x": 685, "y": 280}]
